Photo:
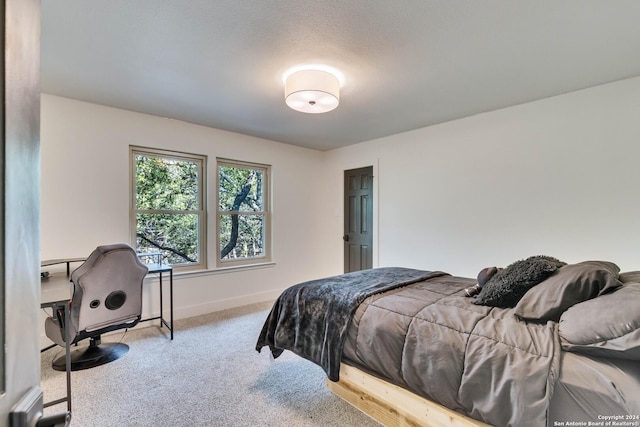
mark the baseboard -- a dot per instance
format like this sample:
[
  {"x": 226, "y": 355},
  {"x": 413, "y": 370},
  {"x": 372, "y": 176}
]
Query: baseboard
[{"x": 219, "y": 305}]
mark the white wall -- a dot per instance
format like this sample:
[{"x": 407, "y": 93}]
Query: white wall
[
  {"x": 85, "y": 197},
  {"x": 558, "y": 177}
]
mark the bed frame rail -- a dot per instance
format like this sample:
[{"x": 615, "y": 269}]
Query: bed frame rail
[{"x": 394, "y": 406}]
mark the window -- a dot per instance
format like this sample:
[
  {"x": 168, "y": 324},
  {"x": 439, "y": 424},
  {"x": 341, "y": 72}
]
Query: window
[
  {"x": 168, "y": 214},
  {"x": 243, "y": 213}
]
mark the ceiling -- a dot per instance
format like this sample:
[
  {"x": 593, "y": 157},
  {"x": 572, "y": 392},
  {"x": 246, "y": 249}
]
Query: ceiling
[{"x": 407, "y": 64}]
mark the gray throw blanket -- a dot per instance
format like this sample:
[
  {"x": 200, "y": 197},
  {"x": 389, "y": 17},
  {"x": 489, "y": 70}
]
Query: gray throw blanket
[{"x": 311, "y": 318}]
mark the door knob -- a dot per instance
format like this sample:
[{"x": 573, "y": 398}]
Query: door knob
[{"x": 345, "y": 237}]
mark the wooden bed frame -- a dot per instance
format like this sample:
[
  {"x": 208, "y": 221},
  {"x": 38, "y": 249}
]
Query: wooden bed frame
[{"x": 391, "y": 405}]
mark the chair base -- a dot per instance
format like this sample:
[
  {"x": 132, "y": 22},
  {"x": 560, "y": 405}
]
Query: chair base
[{"x": 91, "y": 356}]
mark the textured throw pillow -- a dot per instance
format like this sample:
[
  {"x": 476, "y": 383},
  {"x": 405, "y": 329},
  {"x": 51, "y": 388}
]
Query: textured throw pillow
[
  {"x": 569, "y": 285},
  {"x": 507, "y": 286},
  {"x": 606, "y": 326}
]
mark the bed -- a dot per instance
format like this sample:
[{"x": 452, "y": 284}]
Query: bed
[{"x": 544, "y": 343}]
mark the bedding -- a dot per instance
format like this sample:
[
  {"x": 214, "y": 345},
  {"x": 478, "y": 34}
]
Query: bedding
[
  {"x": 423, "y": 334},
  {"x": 508, "y": 285},
  {"x": 480, "y": 361},
  {"x": 608, "y": 326},
  {"x": 630, "y": 277},
  {"x": 591, "y": 387},
  {"x": 310, "y": 319},
  {"x": 569, "y": 285}
]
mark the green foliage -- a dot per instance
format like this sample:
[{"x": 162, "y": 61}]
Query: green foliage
[
  {"x": 169, "y": 189},
  {"x": 241, "y": 206},
  {"x": 249, "y": 240},
  {"x": 167, "y": 205},
  {"x": 232, "y": 180},
  {"x": 166, "y": 184},
  {"x": 175, "y": 235}
]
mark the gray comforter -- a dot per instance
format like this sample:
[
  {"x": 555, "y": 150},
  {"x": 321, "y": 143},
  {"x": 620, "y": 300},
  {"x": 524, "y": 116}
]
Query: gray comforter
[
  {"x": 480, "y": 361},
  {"x": 416, "y": 329},
  {"x": 311, "y": 318}
]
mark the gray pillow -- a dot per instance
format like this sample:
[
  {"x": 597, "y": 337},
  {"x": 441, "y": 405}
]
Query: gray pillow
[
  {"x": 630, "y": 277},
  {"x": 606, "y": 326},
  {"x": 507, "y": 286},
  {"x": 569, "y": 285}
]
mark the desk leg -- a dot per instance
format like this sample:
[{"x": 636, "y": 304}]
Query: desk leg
[
  {"x": 67, "y": 345},
  {"x": 171, "y": 299},
  {"x": 163, "y": 322},
  {"x": 161, "y": 302}
]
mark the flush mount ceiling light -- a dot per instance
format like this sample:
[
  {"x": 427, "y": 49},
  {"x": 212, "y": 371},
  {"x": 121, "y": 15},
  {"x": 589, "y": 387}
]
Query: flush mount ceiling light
[{"x": 312, "y": 91}]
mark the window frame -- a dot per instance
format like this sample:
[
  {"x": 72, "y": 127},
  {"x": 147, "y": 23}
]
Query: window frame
[
  {"x": 266, "y": 213},
  {"x": 201, "y": 160}
]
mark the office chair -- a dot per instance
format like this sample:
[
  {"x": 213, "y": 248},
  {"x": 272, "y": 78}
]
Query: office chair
[{"x": 107, "y": 296}]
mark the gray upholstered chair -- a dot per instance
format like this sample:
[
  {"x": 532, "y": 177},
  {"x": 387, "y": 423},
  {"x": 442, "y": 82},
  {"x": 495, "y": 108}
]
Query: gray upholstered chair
[{"x": 107, "y": 295}]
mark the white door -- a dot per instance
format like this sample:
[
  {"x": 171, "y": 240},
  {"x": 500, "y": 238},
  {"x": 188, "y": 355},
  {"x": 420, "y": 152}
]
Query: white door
[{"x": 20, "y": 200}]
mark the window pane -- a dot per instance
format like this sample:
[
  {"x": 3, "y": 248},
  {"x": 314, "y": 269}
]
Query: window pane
[
  {"x": 241, "y": 236},
  {"x": 174, "y": 235},
  {"x": 166, "y": 184},
  {"x": 240, "y": 189},
  {"x": 243, "y": 213}
]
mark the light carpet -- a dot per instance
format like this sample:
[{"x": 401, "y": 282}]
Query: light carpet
[{"x": 209, "y": 375}]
